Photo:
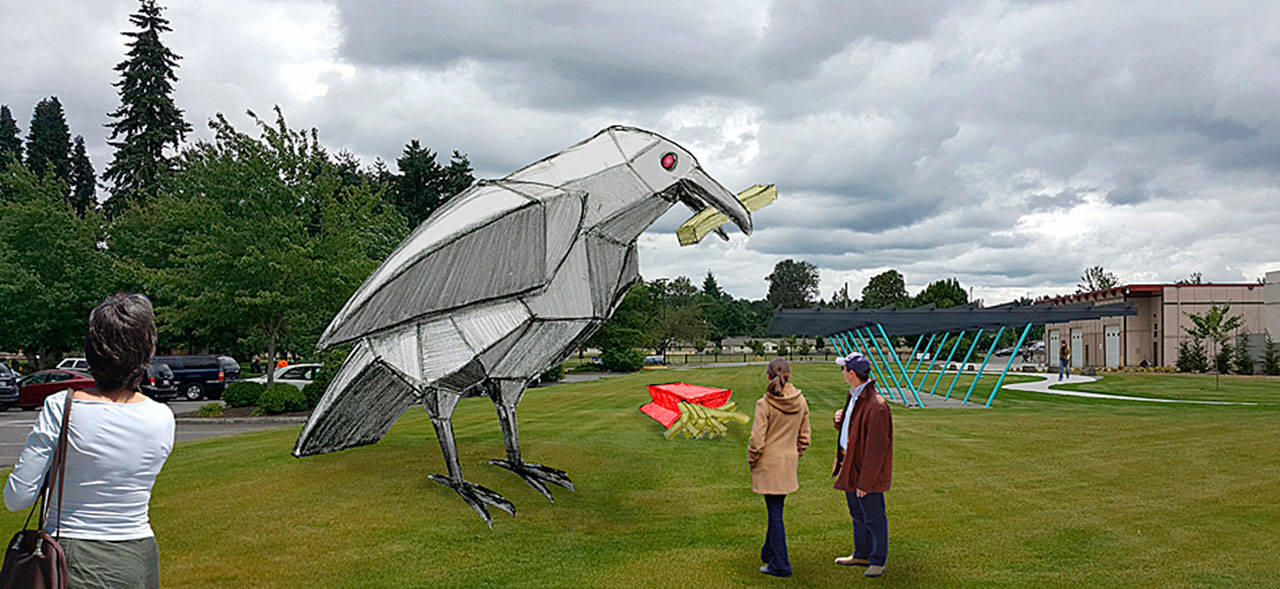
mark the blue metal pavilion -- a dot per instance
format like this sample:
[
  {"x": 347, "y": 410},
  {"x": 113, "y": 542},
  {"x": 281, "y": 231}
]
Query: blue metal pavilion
[{"x": 869, "y": 332}]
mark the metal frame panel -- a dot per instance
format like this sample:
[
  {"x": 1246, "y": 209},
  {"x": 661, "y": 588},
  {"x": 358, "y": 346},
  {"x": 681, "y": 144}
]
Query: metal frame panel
[
  {"x": 962, "y": 363},
  {"x": 1016, "y": 348},
  {"x": 994, "y": 343}
]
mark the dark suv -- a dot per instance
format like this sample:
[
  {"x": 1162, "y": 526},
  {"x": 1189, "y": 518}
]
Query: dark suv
[
  {"x": 201, "y": 376},
  {"x": 8, "y": 387},
  {"x": 159, "y": 383}
]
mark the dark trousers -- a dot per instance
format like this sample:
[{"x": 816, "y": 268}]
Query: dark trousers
[
  {"x": 774, "y": 551},
  {"x": 870, "y": 527}
]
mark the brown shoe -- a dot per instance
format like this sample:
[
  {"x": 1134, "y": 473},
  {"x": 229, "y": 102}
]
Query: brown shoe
[
  {"x": 852, "y": 561},
  {"x": 874, "y": 571}
]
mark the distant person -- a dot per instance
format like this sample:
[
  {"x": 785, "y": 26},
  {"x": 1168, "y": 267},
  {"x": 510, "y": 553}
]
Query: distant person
[
  {"x": 1064, "y": 360},
  {"x": 118, "y": 442},
  {"x": 864, "y": 464},
  {"x": 282, "y": 363},
  {"x": 256, "y": 365},
  {"x": 779, "y": 437}
]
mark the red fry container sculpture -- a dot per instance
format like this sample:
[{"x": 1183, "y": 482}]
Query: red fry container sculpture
[{"x": 665, "y": 406}]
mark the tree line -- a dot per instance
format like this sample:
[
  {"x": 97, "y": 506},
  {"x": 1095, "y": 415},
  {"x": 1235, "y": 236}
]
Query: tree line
[{"x": 246, "y": 242}]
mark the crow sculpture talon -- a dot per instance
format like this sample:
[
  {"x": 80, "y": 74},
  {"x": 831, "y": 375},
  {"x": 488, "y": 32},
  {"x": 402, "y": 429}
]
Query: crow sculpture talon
[
  {"x": 476, "y": 496},
  {"x": 536, "y": 474}
]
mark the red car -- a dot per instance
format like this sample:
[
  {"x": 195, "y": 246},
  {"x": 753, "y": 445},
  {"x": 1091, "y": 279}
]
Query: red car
[{"x": 34, "y": 387}]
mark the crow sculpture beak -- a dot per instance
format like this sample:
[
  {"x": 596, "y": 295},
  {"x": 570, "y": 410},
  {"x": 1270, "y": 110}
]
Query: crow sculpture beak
[{"x": 719, "y": 197}]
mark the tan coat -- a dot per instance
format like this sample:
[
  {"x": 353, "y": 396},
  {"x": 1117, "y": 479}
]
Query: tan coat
[{"x": 779, "y": 437}]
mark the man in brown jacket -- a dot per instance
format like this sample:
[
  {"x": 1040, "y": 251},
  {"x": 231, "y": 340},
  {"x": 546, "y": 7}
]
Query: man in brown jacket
[{"x": 864, "y": 463}]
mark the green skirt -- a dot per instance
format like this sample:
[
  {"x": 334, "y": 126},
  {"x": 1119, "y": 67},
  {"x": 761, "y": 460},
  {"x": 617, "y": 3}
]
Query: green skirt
[{"x": 106, "y": 564}]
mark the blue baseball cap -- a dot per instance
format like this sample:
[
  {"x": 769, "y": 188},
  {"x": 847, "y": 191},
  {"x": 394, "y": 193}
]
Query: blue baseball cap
[{"x": 857, "y": 363}]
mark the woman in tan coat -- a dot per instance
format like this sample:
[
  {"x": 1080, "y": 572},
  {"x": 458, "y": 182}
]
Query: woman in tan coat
[{"x": 779, "y": 437}]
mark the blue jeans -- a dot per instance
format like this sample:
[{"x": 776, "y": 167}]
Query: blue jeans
[
  {"x": 1063, "y": 369},
  {"x": 774, "y": 551},
  {"x": 870, "y": 527}
]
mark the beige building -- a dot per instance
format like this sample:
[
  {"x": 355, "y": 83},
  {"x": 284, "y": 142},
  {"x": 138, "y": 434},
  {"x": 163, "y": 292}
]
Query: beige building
[{"x": 1153, "y": 335}]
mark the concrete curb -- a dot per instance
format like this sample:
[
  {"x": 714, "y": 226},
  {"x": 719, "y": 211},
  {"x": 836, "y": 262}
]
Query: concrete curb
[{"x": 229, "y": 420}]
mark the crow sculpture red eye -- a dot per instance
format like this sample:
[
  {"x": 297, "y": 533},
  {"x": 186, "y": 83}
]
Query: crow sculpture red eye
[{"x": 669, "y": 161}]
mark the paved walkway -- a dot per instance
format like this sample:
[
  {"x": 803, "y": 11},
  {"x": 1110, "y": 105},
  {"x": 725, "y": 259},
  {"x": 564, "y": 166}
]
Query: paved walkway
[{"x": 1051, "y": 380}]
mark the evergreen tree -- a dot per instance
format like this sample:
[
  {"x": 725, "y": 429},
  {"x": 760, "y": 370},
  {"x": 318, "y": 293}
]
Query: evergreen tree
[
  {"x": 840, "y": 300},
  {"x": 424, "y": 184},
  {"x": 49, "y": 141},
  {"x": 711, "y": 288},
  {"x": 10, "y": 142},
  {"x": 1191, "y": 357},
  {"x": 83, "y": 180},
  {"x": 1242, "y": 360},
  {"x": 1271, "y": 358},
  {"x": 147, "y": 121},
  {"x": 1222, "y": 360}
]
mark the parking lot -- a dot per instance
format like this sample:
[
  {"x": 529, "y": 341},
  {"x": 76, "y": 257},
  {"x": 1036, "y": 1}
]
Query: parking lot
[{"x": 16, "y": 424}]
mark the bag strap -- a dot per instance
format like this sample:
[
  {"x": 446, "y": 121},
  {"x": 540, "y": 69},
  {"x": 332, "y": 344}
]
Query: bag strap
[{"x": 57, "y": 471}]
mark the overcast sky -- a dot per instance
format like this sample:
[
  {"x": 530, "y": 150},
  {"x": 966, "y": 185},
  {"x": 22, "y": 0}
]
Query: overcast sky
[{"x": 1007, "y": 144}]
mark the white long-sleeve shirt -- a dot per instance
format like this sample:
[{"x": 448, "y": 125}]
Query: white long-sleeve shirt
[
  {"x": 115, "y": 451},
  {"x": 854, "y": 393}
]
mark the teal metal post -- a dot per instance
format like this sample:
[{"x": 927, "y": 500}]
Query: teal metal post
[
  {"x": 889, "y": 366},
  {"x": 1016, "y": 349},
  {"x": 933, "y": 358},
  {"x": 889, "y": 342},
  {"x": 966, "y": 361},
  {"x": 913, "y": 350},
  {"x": 853, "y": 337},
  {"x": 874, "y": 369},
  {"x": 880, "y": 371},
  {"x": 947, "y": 363},
  {"x": 886, "y": 368},
  {"x": 913, "y": 356},
  {"x": 983, "y": 367}
]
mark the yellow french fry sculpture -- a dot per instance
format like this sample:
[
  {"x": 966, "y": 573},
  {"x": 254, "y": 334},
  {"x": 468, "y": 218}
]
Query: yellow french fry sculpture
[{"x": 709, "y": 219}]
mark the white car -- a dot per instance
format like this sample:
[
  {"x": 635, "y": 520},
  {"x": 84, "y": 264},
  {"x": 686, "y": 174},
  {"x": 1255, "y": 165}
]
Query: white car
[
  {"x": 73, "y": 364},
  {"x": 298, "y": 375}
]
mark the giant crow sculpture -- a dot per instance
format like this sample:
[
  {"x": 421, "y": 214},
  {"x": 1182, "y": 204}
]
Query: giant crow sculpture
[{"x": 505, "y": 280}]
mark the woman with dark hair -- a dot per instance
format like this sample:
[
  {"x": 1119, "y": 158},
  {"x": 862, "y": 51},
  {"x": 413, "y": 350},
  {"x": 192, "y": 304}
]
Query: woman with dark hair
[
  {"x": 118, "y": 441},
  {"x": 779, "y": 437}
]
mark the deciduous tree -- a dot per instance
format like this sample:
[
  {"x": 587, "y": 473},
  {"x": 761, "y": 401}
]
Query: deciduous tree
[
  {"x": 885, "y": 289},
  {"x": 793, "y": 284}
]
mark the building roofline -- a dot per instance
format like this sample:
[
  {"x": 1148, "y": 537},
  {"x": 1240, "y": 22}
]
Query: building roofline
[{"x": 1148, "y": 289}]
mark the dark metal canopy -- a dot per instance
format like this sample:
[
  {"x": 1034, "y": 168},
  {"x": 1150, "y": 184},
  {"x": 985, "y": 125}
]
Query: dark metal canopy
[{"x": 923, "y": 320}]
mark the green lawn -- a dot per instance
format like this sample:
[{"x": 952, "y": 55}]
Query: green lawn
[
  {"x": 1195, "y": 387},
  {"x": 1037, "y": 491}
]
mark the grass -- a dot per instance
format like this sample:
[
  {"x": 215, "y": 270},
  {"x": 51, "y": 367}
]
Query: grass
[
  {"x": 1038, "y": 491},
  {"x": 1193, "y": 387}
]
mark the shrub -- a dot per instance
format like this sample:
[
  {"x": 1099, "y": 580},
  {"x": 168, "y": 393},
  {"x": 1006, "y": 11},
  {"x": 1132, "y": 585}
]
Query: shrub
[
  {"x": 281, "y": 398},
  {"x": 242, "y": 393},
  {"x": 1191, "y": 357},
  {"x": 312, "y": 393},
  {"x": 587, "y": 367},
  {"x": 1222, "y": 360},
  {"x": 1243, "y": 362},
  {"x": 1271, "y": 358},
  {"x": 210, "y": 410},
  {"x": 553, "y": 374},
  {"x": 621, "y": 360}
]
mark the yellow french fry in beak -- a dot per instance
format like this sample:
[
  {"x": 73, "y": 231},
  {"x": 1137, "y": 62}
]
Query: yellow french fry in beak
[{"x": 709, "y": 219}]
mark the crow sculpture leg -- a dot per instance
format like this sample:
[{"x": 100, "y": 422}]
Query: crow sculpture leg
[
  {"x": 506, "y": 395},
  {"x": 440, "y": 403}
]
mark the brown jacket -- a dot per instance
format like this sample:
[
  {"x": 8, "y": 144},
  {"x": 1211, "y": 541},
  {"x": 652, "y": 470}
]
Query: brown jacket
[
  {"x": 779, "y": 437},
  {"x": 868, "y": 464}
]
